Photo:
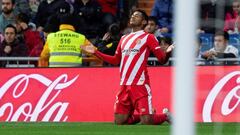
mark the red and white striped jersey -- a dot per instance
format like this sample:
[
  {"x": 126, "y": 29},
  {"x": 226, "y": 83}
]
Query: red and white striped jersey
[{"x": 132, "y": 52}]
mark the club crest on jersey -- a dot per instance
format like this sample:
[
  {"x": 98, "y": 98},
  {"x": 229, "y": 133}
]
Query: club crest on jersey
[{"x": 138, "y": 41}]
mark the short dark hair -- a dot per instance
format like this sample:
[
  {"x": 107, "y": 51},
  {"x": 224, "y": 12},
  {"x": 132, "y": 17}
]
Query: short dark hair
[
  {"x": 154, "y": 19},
  {"x": 13, "y": 2},
  {"x": 68, "y": 19},
  {"x": 63, "y": 8},
  {"x": 22, "y": 17},
  {"x": 222, "y": 33},
  {"x": 114, "y": 29},
  {"x": 166, "y": 39},
  {"x": 11, "y": 26},
  {"x": 144, "y": 14}
]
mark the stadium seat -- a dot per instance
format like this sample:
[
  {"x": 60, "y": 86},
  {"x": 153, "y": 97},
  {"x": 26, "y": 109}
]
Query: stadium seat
[
  {"x": 234, "y": 39},
  {"x": 207, "y": 42},
  {"x": 208, "y": 39}
]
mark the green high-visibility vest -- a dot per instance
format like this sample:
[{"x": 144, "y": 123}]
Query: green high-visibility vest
[{"x": 65, "y": 48}]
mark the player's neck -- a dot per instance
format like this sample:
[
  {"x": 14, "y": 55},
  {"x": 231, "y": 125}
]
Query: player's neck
[{"x": 134, "y": 29}]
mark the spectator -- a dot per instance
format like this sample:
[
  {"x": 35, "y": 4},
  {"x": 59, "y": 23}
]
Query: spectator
[
  {"x": 109, "y": 9},
  {"x": 89, "y": 14},
  {"x": 53, "y": 22},
  {"x": 221, "y": 48},
  {"x": 198, "y": 48},
  {"x": 11, "y": 46},
  {"x": 232, "y": 19},
  {"x": 46, "y": 9},
  {"x": 152, "y": 27},
  {"x": 163, "y": 11},
  {"x": 32, "y": 39},
  {"x": 7, "y": 16},
  {"x": 34, "y": 8},
  {"x": 164, "y": 43},
  {"x": 62, "y": 48},
  {"x": 1, "y": 38},
  {"x": 108, "y": 44},
  {"x": 199, "y": 60},
  {"x": 125, "y": 8},
  {"x": 109, "y": 6},
  {"x": 211, "y": 15},
  {"x": 22, "y": 6}
]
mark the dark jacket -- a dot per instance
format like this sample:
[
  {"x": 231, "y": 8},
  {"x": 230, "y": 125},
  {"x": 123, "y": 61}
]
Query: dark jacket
[
  {"x": 45, "y": 10},
  {"x": 212, "y": 15},
  {"x": 89, "y": 17},
  {"x": 163, "y": 11},
  {"x": 18, "y": 50}
]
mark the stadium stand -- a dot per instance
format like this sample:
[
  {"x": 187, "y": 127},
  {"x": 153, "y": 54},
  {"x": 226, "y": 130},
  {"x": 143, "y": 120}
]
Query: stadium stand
[
  {"x": 146, "y": 5},
  {"x": 207, "y": 42},
  {"x": 234, "y": 40}
]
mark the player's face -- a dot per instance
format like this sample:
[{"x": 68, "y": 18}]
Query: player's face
[
  {"x": 219, "y": 43},
  {"x": 7, "y": 6},
  {"x": 136, "y": 19}
]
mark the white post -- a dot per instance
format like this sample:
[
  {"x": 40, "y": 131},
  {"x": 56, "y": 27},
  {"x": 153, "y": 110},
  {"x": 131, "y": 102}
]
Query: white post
[{"x": 186, "y": 18}]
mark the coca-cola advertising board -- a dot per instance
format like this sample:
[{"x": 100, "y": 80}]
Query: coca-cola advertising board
[{"x": 88, "y": 94}]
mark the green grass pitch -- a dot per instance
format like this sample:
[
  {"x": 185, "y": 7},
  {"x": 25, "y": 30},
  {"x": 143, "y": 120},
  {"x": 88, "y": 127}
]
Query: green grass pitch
[{"x": 78, "y": 128}]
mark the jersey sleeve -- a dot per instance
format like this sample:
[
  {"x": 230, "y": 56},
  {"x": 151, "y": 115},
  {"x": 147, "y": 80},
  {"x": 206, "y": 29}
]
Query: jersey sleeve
[
  {"x": 115, "y": 60},
  {"x": 157, "y": 51}
]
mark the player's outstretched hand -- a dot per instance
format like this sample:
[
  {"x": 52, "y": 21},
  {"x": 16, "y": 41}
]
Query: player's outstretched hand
[
  {"x": 89, "y": 48},
  {"x": 170, "y": 48}
]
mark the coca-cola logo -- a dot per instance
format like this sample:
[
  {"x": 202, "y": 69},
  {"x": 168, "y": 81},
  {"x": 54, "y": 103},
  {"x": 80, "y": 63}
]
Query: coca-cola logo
[
  {"x": 229, "y": 99},
  {"x": 18, "y": 86}
]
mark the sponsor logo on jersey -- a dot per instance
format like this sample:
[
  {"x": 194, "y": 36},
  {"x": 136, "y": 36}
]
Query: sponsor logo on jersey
[{"x": 130, "y": 51}]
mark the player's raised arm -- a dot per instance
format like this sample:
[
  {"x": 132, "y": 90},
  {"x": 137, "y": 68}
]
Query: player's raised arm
[
  {"x": 161, "y": 55},
  {"x": 115, "y": 60},
  {"x": 89, "y": 48}
]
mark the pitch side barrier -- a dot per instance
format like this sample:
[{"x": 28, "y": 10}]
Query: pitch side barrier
[
  {"x": 199, "y": 61},
  {"x": 28, "y": 62},
  {"x": 88, "y": 94},
  {"x": 19, "y": 62}
]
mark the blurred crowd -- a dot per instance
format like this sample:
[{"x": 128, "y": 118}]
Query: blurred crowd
[{"x": 26, "y": 24}]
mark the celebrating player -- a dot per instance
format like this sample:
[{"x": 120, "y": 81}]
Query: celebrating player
[{"x": 132, "y": 54}]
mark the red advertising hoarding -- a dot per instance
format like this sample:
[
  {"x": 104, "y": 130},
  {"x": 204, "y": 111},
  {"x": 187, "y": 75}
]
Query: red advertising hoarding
[{"x": 88, "y": 94}]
